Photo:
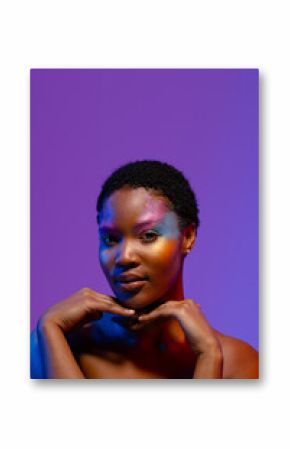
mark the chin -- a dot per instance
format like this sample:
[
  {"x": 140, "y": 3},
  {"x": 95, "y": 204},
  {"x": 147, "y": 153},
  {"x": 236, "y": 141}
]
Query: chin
[{"x": 139, "y": 302}]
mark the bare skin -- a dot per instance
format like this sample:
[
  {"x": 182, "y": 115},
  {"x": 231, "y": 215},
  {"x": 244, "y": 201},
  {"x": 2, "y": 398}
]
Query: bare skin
[
  {"x": 161, "y": 350},
  {"x": 148, "y": 329}
]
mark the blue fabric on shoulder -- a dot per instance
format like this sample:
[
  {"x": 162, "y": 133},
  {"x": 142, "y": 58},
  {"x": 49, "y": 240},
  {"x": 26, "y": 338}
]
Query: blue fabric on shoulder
[{"x": 36, "y": 368}]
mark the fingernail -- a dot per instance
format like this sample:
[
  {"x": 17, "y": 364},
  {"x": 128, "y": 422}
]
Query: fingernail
[{"x": 131, "y": 311}]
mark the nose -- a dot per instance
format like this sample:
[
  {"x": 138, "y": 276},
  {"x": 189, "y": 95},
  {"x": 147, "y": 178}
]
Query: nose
[{"x": 126, "y": 254}]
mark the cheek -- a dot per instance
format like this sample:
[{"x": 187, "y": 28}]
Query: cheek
[
  {"x": 165, "y": 256},
  {"x": 105, "y": 259}
]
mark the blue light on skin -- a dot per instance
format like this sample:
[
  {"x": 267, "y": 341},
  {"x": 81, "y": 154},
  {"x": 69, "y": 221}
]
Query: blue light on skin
[
  {"x": 139, "y": 233},
  {"x": 137, "y": 228},
  {"x": 109, "y": 330}
]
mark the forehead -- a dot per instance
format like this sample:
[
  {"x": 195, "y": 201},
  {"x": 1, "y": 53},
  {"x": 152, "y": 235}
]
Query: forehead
[{"x": 131, "y": 205}]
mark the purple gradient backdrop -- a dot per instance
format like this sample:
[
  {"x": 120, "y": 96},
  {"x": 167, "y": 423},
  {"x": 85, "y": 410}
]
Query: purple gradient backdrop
[{"x": 85, "y": 123}]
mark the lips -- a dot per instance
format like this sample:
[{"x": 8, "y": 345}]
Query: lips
[
  {"x": 130, "y": 282},
  {"x": 127, "y": 278}
]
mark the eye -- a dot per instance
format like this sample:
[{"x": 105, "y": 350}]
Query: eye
[
  {"x": 149, "y": 236},
  {"x": 109, "y": 240}
]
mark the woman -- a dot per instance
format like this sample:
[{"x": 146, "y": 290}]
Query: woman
[{"x": 148, "y": 221}]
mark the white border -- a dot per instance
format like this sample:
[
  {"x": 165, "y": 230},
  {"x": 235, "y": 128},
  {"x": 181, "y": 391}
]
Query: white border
[{"x": 156, "y": 33}]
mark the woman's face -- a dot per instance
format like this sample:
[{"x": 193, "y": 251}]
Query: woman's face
[{"x": 141, "y": 247}]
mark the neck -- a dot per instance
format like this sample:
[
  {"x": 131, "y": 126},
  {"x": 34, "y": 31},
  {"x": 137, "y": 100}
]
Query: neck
[
  {"x": 176, "y": 292},
  {"x": 168, "y": 332}
]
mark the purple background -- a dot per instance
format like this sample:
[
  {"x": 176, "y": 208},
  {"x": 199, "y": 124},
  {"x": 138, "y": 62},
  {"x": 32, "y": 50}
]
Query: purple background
[{"x": 85, "y": 123}]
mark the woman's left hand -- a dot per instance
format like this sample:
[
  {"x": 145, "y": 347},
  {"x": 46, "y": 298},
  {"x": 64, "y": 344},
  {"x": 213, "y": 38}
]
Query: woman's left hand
[{"x": 199, "y": 334}]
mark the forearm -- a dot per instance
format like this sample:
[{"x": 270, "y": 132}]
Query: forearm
[
  {"x": 209, "y": 365},
  {"x": 57, "y": 357}
]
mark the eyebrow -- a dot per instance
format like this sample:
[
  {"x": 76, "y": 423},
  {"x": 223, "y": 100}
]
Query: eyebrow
[
  {"x": 143, "y": 224},
  {"x": 138, "y": 226}
]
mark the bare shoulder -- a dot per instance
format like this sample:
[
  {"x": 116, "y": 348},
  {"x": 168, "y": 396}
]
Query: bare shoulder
[{"x": 241, "y": 360}]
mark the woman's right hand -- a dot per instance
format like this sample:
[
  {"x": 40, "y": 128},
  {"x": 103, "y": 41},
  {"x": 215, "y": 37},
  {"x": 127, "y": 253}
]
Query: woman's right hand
[{"x": 82, "y": 307}]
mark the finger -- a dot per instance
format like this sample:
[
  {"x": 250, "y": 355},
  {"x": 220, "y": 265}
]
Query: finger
[
  {"x": 160, "y": 312},
  {"x": 101, "y": 296},
  {"x": 115, "y": 308},
  {"x": 106, "y": 300},
  {"x": 112, "y": 307},
  {"x": 112, "y": 301},
  {"x": 102, "y": 303}
]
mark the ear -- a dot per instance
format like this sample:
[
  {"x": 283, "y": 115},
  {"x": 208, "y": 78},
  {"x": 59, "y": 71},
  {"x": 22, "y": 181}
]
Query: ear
[{"x": 188, "y": 238}]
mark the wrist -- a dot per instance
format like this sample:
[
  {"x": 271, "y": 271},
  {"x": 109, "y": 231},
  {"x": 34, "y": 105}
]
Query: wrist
[
  {"x": 46, "y": 323},
  {"x": 57, "y": 356},
  {"x": 211, "y": 354},
  {"x": 210, "y": 347},
  {"x": 209, "y": 364}
]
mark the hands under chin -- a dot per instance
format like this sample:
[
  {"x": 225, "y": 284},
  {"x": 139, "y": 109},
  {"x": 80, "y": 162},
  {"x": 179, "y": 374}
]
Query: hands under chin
[{"x": 199, "y": 334}]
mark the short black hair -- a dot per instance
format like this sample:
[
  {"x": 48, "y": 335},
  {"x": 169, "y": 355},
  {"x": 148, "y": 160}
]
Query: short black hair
[{"x": 160, "y": 177}]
